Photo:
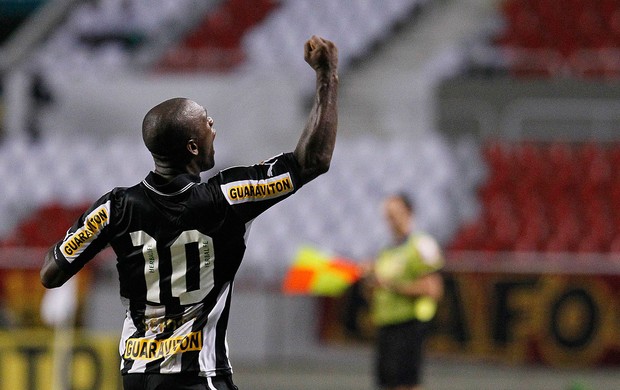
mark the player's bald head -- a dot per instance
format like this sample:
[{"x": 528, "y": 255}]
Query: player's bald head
[{"x": 168, "y": 126}]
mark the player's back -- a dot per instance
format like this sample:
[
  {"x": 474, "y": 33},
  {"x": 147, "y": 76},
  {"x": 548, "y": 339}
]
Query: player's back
[{"x": 165, "y": 235}]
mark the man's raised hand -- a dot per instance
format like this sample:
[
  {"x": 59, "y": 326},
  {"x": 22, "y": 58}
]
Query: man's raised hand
[{"x": 321, "y": 54}]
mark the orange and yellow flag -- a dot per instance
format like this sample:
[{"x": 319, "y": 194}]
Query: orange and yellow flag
[{"x": 315, "y": 272}]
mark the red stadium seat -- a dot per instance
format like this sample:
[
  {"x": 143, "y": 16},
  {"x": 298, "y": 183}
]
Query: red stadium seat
[
  {"x": 504, "y": 235},
  {"x": 216, "y": 43},
  {"x": 559, "y": 243},
  {"x": 575, "y": 34},
  {"x": 45, "y": 226},
  {"x": 551, "y": 197},
  {"x": 614, "y": 245},
  {"x": 591, "y": 27},
  {"x": 471, "y": 237},
  {"x": 590, "y": 244},
  {"x": 534, "y": 230}
]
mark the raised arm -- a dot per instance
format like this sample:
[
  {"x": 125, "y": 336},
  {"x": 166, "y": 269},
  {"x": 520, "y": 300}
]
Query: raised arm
[{"x": 316, "y": 144}]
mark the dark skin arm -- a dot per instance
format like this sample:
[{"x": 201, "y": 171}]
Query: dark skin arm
[
  {"x": 51, "y": 275},
  {"x": 316, "y": 144}
]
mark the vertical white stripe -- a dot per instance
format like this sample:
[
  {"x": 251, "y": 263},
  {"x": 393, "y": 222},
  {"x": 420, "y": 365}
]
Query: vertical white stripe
[
  {"x": 207, "y": 357},
  {"x": 151, "y": 263},
  {"x": 178, "y": 259},
  {"x": 171, "y": 364},
  {"x": 246, "y": 235},
  {"x": 128, "y": 330},
  {"x": 210, "y": 383},
  {"x": 158, "y": 312},
  {"x": 232, "y": 287},
  {"x": 206, "y": 257}
]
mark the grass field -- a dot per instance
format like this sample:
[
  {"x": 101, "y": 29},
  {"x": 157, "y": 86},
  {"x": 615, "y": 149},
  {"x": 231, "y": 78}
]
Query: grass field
[{"x": 352, "y": 370}]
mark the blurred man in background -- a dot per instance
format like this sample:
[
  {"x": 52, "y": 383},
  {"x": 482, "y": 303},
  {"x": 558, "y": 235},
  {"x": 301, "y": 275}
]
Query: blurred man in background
[
  {"x": 180, "y": 242},
  {"x": 406, "y": 287}
]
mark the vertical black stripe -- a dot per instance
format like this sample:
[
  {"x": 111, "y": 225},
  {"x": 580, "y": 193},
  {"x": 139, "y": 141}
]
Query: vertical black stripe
[
  {"x": 165, "y": 274},
  {"x": 190, "y": 359},
  {"x": 192, "y": 276}
]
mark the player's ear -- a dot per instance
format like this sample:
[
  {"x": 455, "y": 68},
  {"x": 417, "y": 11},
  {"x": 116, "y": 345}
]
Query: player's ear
[{"x": 192, "y": 146}]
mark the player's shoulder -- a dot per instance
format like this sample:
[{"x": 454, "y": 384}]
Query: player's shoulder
[
  {"x": 428, "y": 248},
  {"x": 118, "y": 194},
  {"x": 273, "y": 167},
  {"x": 423, "y": 237}
]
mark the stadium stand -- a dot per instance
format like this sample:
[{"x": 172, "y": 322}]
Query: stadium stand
[
  {"x": 547, "y": 197},
  {"x": 561, "y": 38},
  {"x": 215, "y": 44},
  {"x": 190, "y": 35},
  {"x": 359, "y": 26},
  {"x": 33, "y": 233},
  {"x": 107, "y": 36},
  {"x": 101, "y": 37},
  {"x": 517, "y": 209},
  {"x": 447, "y": 173},
  {"x": 550, "y": 195}
]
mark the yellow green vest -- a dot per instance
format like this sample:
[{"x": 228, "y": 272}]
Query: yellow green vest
[{"x": 416, "y": 257}]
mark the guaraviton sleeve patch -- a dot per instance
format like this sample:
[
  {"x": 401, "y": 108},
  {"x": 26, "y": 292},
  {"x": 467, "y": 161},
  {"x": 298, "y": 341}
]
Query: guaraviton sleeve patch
[
  {"x": 254, "y": 190},
  {"x": 75, "y": 243}
]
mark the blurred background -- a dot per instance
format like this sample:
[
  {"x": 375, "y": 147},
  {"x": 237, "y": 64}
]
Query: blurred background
[{"x": 501, "y": 118}]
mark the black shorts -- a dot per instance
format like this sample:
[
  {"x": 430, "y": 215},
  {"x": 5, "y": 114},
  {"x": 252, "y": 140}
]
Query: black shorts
[
  {"x": 399, "y": 353},
  {"x": 177, "y": 382}
]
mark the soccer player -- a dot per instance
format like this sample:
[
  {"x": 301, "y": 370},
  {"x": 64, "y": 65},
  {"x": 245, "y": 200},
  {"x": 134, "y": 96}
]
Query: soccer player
[
  {"x": 179, "y": 242},
  {"x": 407, "y": 286}
]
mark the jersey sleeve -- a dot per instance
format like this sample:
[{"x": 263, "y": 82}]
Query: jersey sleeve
[
  {"x": 250, "y": 190},
  {"x": 87, "y": 237}
]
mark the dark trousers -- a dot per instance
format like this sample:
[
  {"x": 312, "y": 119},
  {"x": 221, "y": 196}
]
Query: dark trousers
[{"x": 400, "y": 353}]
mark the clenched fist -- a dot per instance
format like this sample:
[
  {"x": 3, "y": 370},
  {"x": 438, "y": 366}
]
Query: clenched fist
[{"x": 321, "y": 54}]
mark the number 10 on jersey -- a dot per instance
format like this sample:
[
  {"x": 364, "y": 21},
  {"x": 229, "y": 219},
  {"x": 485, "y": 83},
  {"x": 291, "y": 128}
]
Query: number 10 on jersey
[{"x": 178, "y": 260}]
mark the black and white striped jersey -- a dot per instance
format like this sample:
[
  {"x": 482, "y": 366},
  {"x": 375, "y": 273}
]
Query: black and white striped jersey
[{"x": 178, "y": 244}]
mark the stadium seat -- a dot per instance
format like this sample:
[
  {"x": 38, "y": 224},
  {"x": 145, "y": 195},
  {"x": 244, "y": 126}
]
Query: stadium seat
[
  {"x": 614, "y": 244},
  {"x": 472, "y": 236},
  {"x": 548, "y": 38},
  {"x": 46, "y": 225},
  {"x": 215, "y": 44},
  {"x": 563, "y": 197}
]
